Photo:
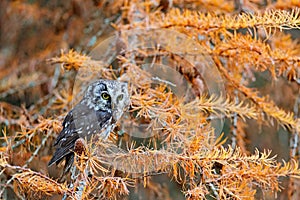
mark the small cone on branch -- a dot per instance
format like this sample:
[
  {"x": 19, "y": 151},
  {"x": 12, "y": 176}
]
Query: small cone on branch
[{"x": 80, "y": 146}]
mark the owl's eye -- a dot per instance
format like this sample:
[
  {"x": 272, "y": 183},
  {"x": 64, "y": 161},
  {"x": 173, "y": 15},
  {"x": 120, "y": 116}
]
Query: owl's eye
[
  {"x": 105, "y": 96},
  {"x": 120, "y": 97}
]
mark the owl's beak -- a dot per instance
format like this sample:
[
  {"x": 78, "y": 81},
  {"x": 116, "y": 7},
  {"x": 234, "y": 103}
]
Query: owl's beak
[{"x": 115, "y": 114}]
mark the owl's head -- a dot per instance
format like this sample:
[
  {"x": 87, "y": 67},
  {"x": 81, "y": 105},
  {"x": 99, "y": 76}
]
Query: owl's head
[{"x": 108, "y": 95}]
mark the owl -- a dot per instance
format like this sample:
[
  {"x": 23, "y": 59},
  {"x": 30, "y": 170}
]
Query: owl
[{"x": 101, "y": 107}]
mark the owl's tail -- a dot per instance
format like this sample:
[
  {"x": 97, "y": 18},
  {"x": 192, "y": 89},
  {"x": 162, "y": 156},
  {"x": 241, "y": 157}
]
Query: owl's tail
[{"x": 60, "y": 154}]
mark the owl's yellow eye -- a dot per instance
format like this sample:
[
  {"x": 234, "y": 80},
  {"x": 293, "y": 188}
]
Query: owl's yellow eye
[
  {"x": 105, "y": 96},
  {"x": 120, "y": 97}
]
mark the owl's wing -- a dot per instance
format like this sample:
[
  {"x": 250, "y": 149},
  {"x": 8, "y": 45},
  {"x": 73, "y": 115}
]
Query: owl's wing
[
  {"x": 80, "y": 122},
  {"x": 65, "y": 140}
]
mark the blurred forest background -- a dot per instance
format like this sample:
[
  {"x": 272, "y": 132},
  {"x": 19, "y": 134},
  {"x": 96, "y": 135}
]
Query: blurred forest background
[{"x": 254, "y": 42}]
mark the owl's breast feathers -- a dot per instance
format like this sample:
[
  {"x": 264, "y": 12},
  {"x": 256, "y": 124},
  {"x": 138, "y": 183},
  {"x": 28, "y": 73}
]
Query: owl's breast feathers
[{"x": 81, "y": 122}]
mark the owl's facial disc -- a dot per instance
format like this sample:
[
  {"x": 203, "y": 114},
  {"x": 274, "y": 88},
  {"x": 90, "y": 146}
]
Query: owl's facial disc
[{"x": 110, "y": 96}]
